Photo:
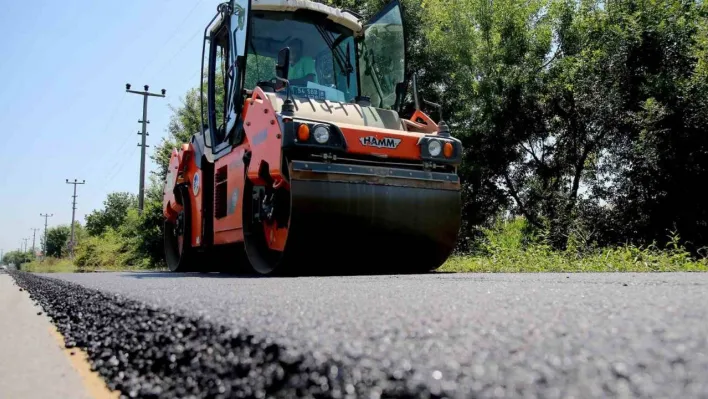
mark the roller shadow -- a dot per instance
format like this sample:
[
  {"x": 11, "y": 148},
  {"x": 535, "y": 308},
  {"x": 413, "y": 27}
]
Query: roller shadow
[{"x": 223, "y": 275}]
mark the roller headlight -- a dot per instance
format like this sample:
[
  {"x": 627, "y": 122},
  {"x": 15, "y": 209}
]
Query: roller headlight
[
  {"x": 434, "y": 148},
  {"x": 321, "y": 134}
]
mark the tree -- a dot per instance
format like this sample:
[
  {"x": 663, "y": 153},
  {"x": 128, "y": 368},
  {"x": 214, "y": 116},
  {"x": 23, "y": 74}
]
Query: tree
[
  {"x": 580, "y": 116},
  {"x": 119, "y": 235},
  {"x": 184, "y": 123},
  {"x": 79, "y": 232},
  {"x": 17, "y": 258},
  {"x": 580, "y": 113},
  {"x": 494, "y": 52},
  {"x": 57, "y": 240},
  {"x": 114, "y": 211},
  {"x": 661, "y": 156},
  {"x": 142, "y": 233},
  {"x": 151, "y": 224}
]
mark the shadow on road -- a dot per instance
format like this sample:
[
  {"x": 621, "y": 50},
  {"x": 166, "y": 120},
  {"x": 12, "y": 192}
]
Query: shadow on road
[
  {"x": 152, "y": 275},
  {"x": 216, "y": 275}
]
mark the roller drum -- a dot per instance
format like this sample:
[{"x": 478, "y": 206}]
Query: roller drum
[{"x": 348, "y": 219}]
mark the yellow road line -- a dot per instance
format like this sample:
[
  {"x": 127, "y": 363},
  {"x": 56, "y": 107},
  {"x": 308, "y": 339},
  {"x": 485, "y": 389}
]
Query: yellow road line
[{"x": 92, "y": 381}]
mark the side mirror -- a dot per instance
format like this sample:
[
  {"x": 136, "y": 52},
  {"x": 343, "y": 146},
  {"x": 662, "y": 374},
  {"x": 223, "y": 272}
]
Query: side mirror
[
  {"x": 415, "y": 92},
  {"x": 400, "y": 96},
  {"x": 282, "y": 69},
  {"x": 349, "y": 69},
  {"x": 443, "y": 128},
  {"x": 438, "y": 106}
]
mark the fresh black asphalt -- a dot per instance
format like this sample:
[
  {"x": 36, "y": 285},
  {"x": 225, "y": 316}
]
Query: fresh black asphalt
[{"x": 442, "y": 335}]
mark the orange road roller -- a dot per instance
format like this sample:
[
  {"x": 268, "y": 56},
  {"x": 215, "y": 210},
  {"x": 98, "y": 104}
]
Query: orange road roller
[{"x": 304, "y": 164}]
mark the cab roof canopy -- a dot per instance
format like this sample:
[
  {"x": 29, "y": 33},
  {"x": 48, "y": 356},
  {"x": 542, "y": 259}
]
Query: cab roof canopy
[{"x": 338, "y": 16}]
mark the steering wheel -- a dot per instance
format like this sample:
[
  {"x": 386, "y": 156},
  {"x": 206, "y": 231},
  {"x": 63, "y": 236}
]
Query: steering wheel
[{"x": 271, "y": 84}]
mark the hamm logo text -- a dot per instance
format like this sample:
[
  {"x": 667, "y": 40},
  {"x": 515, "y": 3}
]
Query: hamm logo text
[{"x": 385, "y": 142}]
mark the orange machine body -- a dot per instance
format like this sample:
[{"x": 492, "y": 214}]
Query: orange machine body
[
  {"x": 287, "y": 164},
  {"x": 264, "y": 141}
]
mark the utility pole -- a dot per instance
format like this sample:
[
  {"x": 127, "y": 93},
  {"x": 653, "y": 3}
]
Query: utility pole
[
  {"x": 73, "y": 214},
  {"x": 45, "y": 216},
  {"x": 143, "y": 145},
  {"x": 34, "y": 234},
  {"x": 25, "y": 240}
]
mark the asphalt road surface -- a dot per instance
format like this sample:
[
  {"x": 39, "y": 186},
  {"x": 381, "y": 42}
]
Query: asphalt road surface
[{"x": 443, "y": 335}]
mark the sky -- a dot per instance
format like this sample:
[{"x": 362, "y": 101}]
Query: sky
[{"x": 64, "y": 112}]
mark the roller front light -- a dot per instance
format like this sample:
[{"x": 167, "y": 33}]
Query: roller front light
[
  {"x": 321, "y": 134},
  {"x": 434, "y": 148}
]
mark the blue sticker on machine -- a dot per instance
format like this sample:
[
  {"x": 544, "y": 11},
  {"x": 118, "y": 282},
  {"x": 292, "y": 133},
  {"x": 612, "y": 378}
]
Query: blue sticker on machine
[
  {"x": 195, "y": 184},
  {"x": 260, "y": 137},
  {"x": 233, "y": 203},
  {"x": 237, "y": 162}
]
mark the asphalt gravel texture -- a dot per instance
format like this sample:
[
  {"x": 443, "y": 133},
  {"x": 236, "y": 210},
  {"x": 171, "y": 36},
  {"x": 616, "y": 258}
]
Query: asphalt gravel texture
[{"x": 440, "y": 335}]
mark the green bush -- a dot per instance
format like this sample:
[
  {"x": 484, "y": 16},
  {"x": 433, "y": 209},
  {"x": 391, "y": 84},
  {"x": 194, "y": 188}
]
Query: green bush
[
  {"x": 109, "y": 251},
  {"x": 122, "y": 238},
  {"x": 511, "y": 246},
  {"x": 17, "y": 258},
  {"x": 50, "y": 265}
]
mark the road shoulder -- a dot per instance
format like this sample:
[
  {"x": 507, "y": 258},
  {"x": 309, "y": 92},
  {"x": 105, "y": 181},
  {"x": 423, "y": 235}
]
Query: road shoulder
[{"x": 35, "y": 363}]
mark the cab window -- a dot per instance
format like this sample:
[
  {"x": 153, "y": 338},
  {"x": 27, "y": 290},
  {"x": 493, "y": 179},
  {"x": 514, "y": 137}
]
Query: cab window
[
  {"x": 220, "y": 75},
  {"x": 322, "y": 55},
  {"x": 382, "y": 57}
]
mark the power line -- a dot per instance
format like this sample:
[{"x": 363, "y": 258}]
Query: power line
[
  {"x": 169, "y": 62},
  {"x": 116, "y": 171},
  {"x": 122, "y": 160},
  {"x": 113, "y": 115},
  {"x": 122, "y": 146},
  {"x": 178, "y": 29},
  {"x": 117, "y": 166}
]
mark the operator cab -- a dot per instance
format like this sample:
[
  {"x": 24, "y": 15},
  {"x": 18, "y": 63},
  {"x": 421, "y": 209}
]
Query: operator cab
[
  {"x": 322, "y": 54},
  {"x": 333, "y": 58}
]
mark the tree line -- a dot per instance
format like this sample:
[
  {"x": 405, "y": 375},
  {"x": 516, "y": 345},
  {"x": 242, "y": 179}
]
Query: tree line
[{"x": 587, "y": 118}]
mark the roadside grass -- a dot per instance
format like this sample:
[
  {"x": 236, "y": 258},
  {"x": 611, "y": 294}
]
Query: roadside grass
[
  {"x": 508, "y": 248},
  {"x": 622, "y": 260},
  {"x": 55, "y": 265},
  {"x": 49, "y": 265}
]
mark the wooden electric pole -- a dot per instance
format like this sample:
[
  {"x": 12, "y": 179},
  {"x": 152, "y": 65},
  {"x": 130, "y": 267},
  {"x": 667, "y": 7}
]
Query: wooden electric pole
[
  {"x": 73, "y": 215},
  {"x": 34, "y": 235},
  {"x": 143, "y": 145},
  {"x": 45, "y": 216}
]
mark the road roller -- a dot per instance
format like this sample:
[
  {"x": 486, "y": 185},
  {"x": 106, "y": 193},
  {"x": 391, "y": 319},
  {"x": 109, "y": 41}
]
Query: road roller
[{"x": 304, "y": 163}]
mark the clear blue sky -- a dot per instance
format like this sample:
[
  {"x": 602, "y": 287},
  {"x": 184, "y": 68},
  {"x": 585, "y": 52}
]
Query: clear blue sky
[{"x": 64, "y": 113}]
